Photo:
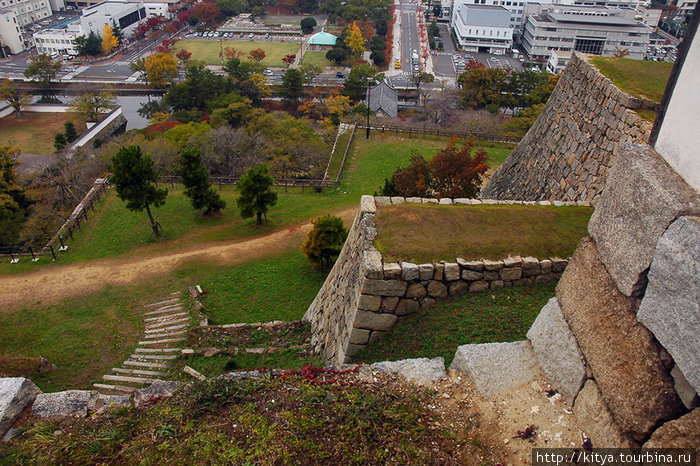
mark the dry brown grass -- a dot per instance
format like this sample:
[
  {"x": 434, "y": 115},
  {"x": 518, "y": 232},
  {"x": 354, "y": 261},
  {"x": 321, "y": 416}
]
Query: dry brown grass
[
  {"x": 34, "y": 132},
  {"x": 430, "y": 233}
]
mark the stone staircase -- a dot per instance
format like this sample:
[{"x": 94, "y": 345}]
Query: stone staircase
[{"x": 166, "y": 322}]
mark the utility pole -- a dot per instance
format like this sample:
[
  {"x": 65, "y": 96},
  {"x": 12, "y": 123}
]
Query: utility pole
[{"x": 368, "y": 110}]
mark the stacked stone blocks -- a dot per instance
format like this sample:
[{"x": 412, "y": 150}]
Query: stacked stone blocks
[{"x": 568, "y": 151}]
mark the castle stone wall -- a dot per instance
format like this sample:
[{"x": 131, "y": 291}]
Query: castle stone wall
[{"x": 568, "y": 151}]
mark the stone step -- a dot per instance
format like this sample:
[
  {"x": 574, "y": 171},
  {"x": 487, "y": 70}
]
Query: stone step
[
  {"x": 156, "y": 357},
  {"x": 167, "y": 323},
  {"x": 160, "y": 342},
  {"x": 160, "y": 303},
  {"x": 121, "y": 370},
  {"x": 155, "y": 365},
  {"x": 166, "y": 318},
  {"x": 166, "y": 329},
  {"x": 124, "y": 378},
  {"x": 158, "y": 350},
  {"x": 167, "y": 310},
  {"x": 119, "y": 388},
  {"x": 168, "y": 307},
  {"x": 165, "y": 334}
]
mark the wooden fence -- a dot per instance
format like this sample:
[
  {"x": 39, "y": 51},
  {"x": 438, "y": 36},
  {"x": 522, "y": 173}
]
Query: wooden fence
[
  {"x": 412, "y": 131},
  {"x": 232, "y": 180}
]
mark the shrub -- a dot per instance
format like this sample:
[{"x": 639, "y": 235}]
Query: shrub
[{"x": 325, "y": 240}]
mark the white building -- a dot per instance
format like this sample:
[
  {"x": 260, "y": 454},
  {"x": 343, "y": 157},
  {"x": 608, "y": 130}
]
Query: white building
[
  {"x": 686, "y": 7},
  {"x": 557, "y": 61},
  {"x": 482, "y": 28},
  {"x": 59, "y": 41},
  {"x": 27, "y": 11},
  {"x": 10, "y": 32},
  {"x": 124, "y": 14},
  {"x": 593, "y": 30},
  {"x": 648, "y": 16}
]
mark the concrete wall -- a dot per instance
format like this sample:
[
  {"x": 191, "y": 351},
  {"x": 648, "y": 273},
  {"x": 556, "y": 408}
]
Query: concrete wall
[
  {"x": 679, "y": 138},
  {"x": 568, "y": 151},
  {"x": 363, "y": 297}
]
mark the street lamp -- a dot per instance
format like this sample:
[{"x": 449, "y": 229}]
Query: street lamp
[{"x": 369, "y": 81}]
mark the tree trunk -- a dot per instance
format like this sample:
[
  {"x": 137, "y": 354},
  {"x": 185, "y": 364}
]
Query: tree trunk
[
  {"x": 259, "y": 218},
  {"x": 153, "y": 222}
]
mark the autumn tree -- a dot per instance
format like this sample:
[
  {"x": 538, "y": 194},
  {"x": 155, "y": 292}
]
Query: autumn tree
[
  {"x": 109, "y": 41},
  {"x": 43, "y": 69},
  {"x": 455, "y": 172},
  {"x": 139, "y": 66},
  {"x": 256, "y": 196},
  {"x": 481, "y": 87},
  {"x": 289, "y": 59},
  {"x": 161, "y": 69},
  {"x": 232, "y": 52},
  {"x": 257, "y": 55},
  {"x": 15, "y": 97},
  {"x": 134, "y": 178},
  {"x": 195, "y": 178},
  {"x": 206, "y": 11},
  {"x": 413, "y": 180},
  {"x": 325, "y": 240},
  {"x": 354, "y": 40},
  {"x": 183, "y": 55},
  {"x": 92, "y": 104}
]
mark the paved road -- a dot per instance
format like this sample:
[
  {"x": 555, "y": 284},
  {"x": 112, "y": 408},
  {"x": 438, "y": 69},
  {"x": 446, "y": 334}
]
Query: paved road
[{"x": 410, "y": 39}]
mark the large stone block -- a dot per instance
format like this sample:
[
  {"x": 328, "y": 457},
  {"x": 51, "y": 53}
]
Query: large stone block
[
  {"x": 451, "y": 271},
  {"x": 409, "y": 271},
  {"x": 493, "y": 265},
  {"x": 496, "y": 367},
  {"x": 511, "y": 274},
  {"x": 596, "y": 420},
  {"x": 367, "y": 204},
  {"x": 420, "y": 371},
  {"x": 426, "y": 271},
  {"x": 384, "y": 287},
  {"x": 359, "y": 336},
  {"x": 374, "y": 320},
  {"x": 642, "y": 196},
  {"x": 680, "y": 433},
  {"x": 472, "y": 275},
  {"x": 369, "y": 303},
  {"x": 392, "y": 270},
  {"x": 160, "y": 389},
  {"x": 531, "y": 266},
  {"x": 372, "y": 264},
  {"x": 671, "y": 304},
  {"x": 416, "y": 291},
  {"x": 407, "y": 306},
  {"x": 437, "y": 289},
  {"x": 557, "y": 351},
  {"x": 621, "y": 352},
  {"x": 69, "y": 403},
  {"x": 15, "y": 395}
]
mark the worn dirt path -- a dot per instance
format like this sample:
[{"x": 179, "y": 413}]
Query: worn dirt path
[{"x": 52, "y": 285}]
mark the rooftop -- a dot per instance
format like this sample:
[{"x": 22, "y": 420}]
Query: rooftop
[
  {"x": 484, "y": 15},
  {"x": 322, "y": 38}
]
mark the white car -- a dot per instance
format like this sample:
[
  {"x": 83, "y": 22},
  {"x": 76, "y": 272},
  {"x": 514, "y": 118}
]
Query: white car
[{"x": 268, "y": 73}]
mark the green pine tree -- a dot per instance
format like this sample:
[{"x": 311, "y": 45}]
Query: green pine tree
[
  {"x": 134, "y": 177},
  {"x": 256, "y": 195},
  {"x": 71, "y": 133},
  {"x": 195, "y": 178}
]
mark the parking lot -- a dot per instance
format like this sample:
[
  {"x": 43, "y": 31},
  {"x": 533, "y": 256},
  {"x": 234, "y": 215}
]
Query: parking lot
[{"x": 243, "y": 36}]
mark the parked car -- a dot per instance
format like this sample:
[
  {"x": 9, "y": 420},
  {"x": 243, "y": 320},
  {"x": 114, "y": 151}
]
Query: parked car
[
  {"x": 267, "y": 36},
  {"x": 339, "y": 74},
  {"x": 268, "y": 73},
  {"x": 242, "y": 35},
  {"x": 251, "y": 36}
]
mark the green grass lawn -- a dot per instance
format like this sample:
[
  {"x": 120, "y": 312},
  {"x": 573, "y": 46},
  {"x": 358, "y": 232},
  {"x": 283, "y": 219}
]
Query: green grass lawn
[
  {"x": 430, "y": 233},
  {"x": 491, "y": 316},
  {"x": 34, "y": 132},
  {"x": 208, "y": 50},
  {"x": 84, "y": 337},
  {"x": 277, "y": 288},
  {"x": 316, "y": 57},
  {"x": 639, "y": 78}
]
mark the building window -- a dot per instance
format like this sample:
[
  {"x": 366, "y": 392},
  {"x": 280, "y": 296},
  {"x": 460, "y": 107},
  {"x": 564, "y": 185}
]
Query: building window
[{"x": 592, "y": 46}]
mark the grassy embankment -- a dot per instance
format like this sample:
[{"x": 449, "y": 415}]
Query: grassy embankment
[
  {"x": 34, "y": 132},
  {"x": 639, "y": 78},
  {"x": 266, "y": 288}
]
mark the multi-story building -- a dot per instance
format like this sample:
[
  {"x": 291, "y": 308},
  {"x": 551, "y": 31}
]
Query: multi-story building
[
  {"x": 482, "y": 28},
  {"x": 594, "y": 30},
  {"x": 686, "y": 7},
  {"x": 648, "y": 16},
  {"x": 10, "y": 33},
  {"x": 27, "y": 11},
  {"x": 59, "y": 40}
]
